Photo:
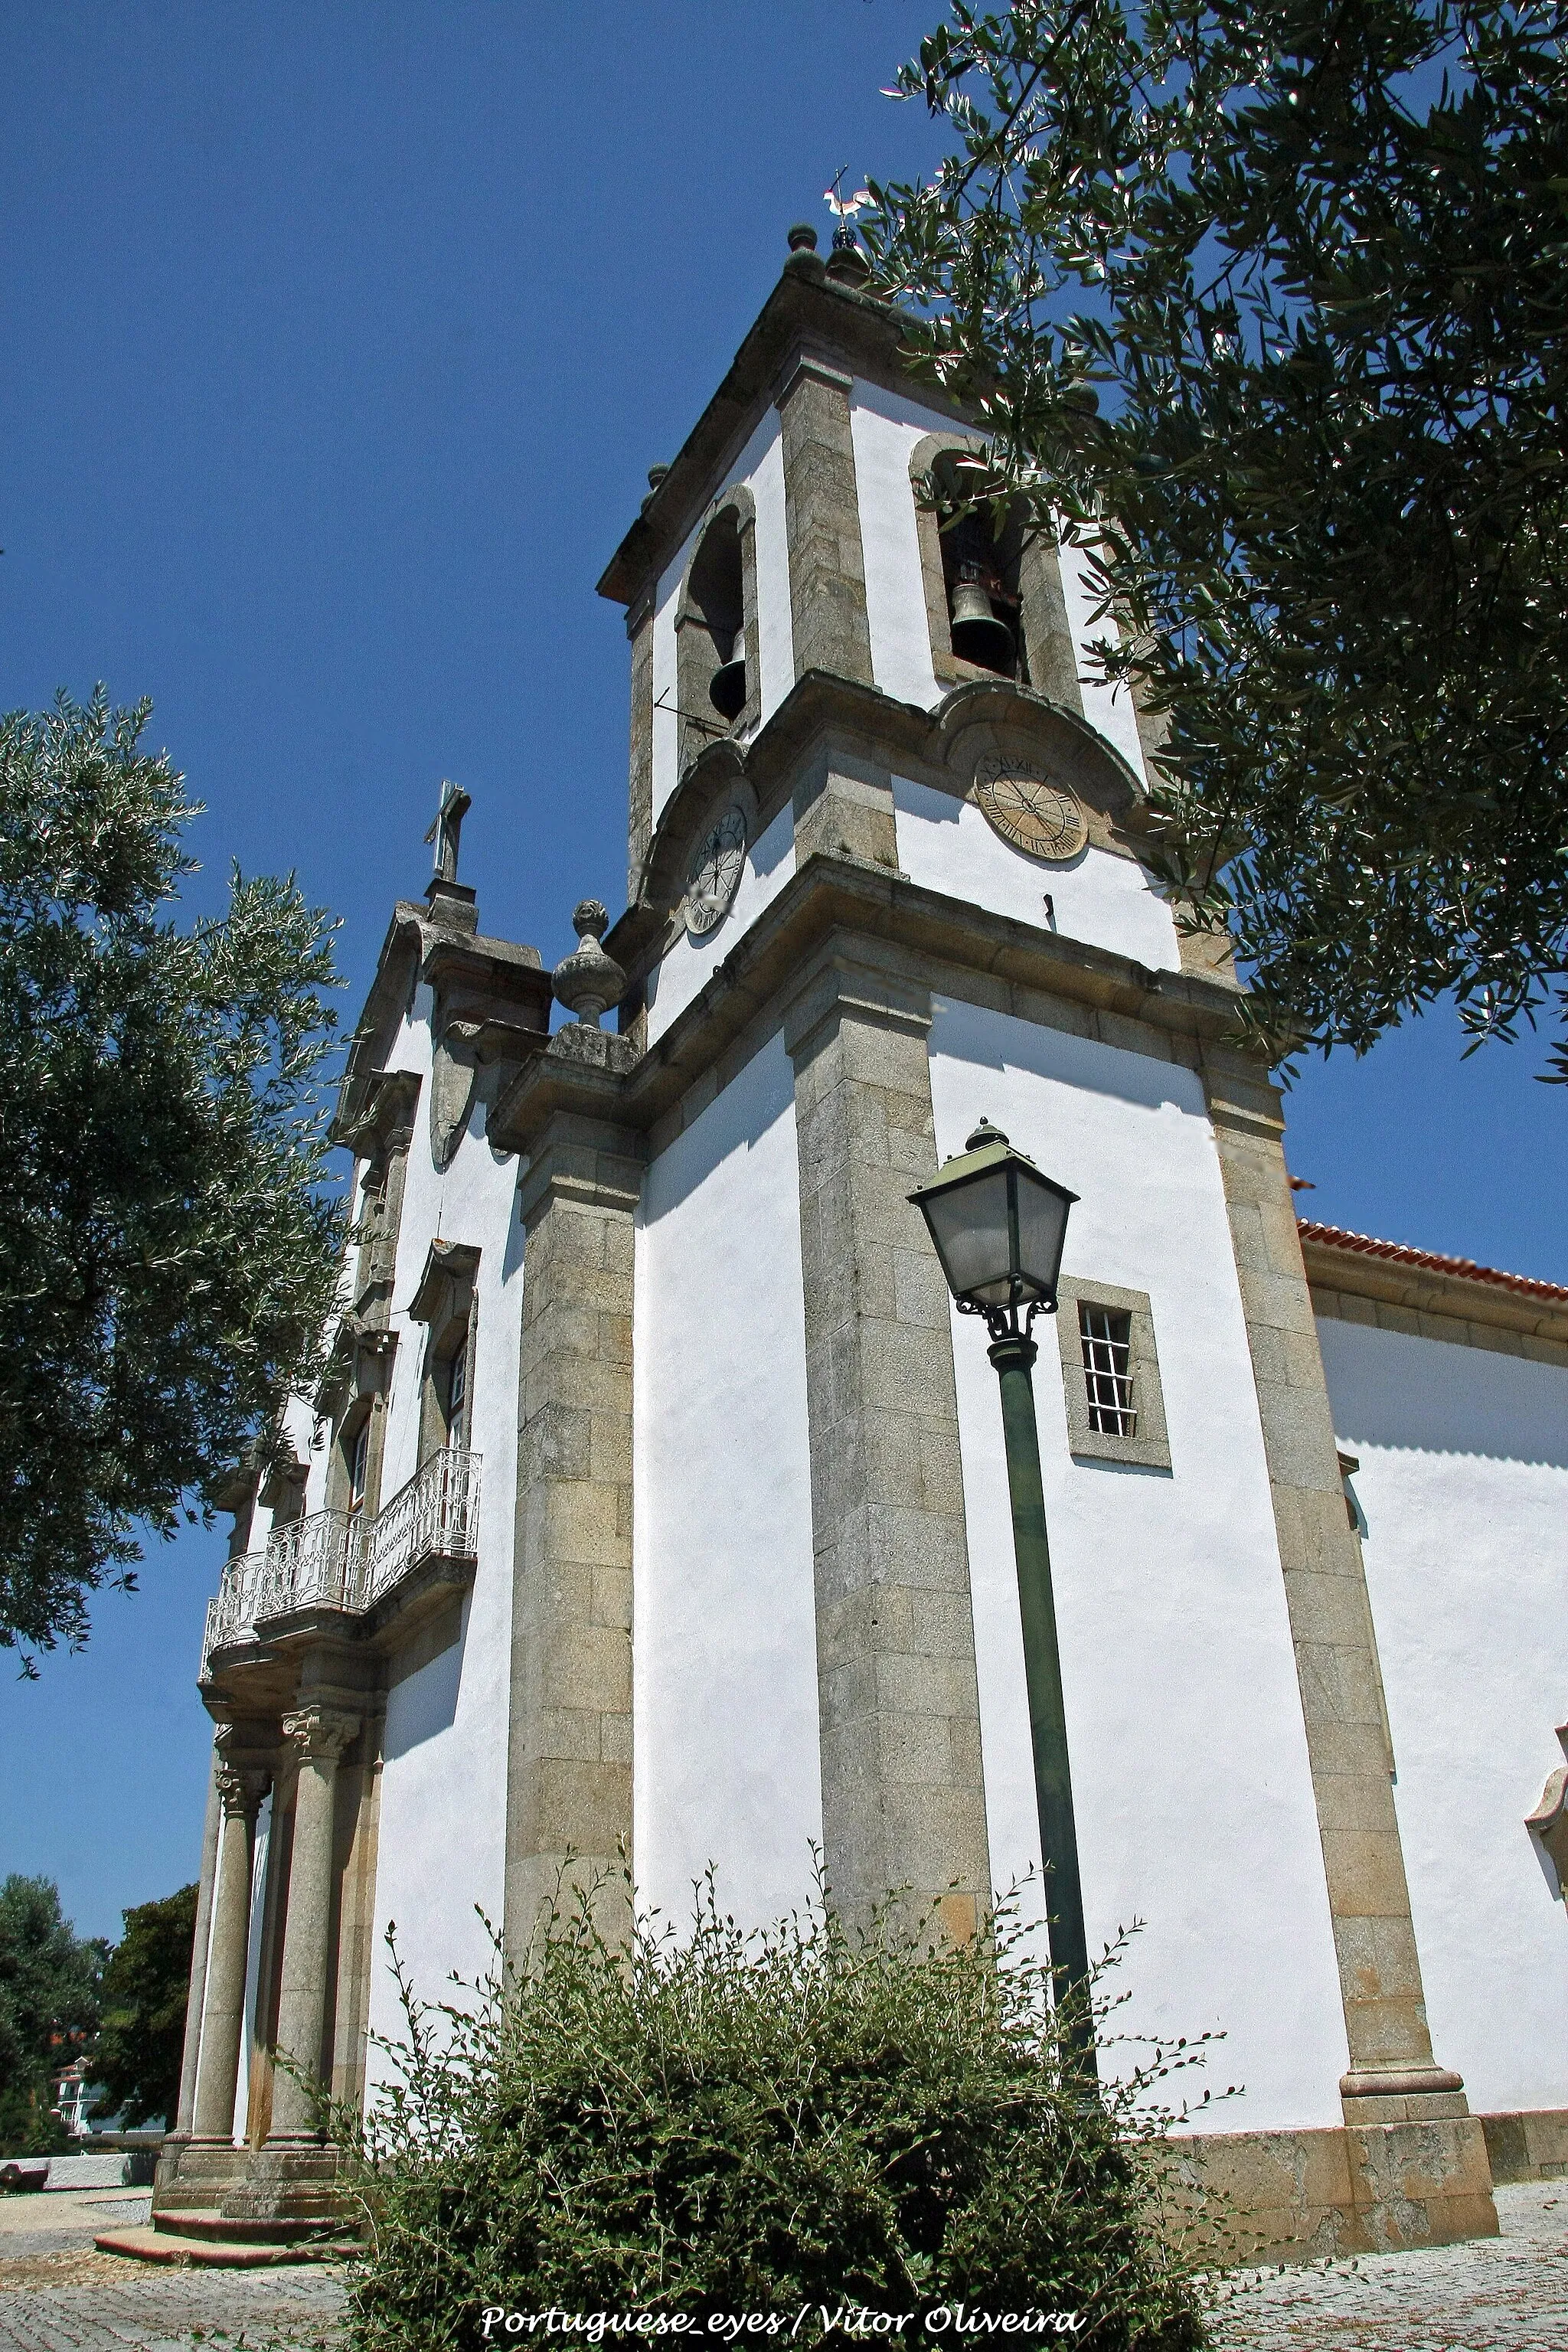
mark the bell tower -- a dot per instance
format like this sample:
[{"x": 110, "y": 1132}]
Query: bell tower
[{"x": 887, "y": 881}]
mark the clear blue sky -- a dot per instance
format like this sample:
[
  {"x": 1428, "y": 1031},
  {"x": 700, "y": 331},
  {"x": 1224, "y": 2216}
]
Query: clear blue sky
[{"x": 342, "y": 339}]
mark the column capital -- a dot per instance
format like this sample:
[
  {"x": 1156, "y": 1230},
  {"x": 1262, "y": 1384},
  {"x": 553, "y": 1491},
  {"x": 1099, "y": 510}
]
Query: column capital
[
  {"x": 241, "y": 1789},
  {"x": 837, "y": 986},
  {"x": 321, "y": 1733},
  {"x": 803, "y": 366},
  {"x": 241, "y": 1771}
]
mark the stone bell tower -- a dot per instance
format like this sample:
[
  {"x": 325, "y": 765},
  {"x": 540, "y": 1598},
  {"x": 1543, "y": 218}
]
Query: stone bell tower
[{"x": 885, "y": 878}]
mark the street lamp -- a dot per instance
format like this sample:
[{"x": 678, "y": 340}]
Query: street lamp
[{"x": 999, "y": 1227}]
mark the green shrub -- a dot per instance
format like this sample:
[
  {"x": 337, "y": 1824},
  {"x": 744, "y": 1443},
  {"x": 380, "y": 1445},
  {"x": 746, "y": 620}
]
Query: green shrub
[{"x": 731, "y": 2124}]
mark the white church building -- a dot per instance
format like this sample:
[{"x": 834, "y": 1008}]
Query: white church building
[{"x": 655, "y": 1497}]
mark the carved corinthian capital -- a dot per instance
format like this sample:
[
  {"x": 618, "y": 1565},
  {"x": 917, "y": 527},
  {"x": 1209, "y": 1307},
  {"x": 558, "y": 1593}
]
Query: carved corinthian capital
[{"x": 321, "y": 1733}]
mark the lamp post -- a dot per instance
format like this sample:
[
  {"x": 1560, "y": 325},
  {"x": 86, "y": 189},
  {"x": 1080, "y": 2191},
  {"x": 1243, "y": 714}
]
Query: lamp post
[{"x": 999, "y": 1226}]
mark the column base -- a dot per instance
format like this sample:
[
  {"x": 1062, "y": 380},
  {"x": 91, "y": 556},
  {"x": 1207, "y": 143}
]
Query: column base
[
  {"x": 1400, "y": 2094},
  {"x": 261, "y": 2195},
  {"x": 290, "y": 2187},
  {"x": 1360, "y": 2189},
  {"x": 195, "y": 2174}
]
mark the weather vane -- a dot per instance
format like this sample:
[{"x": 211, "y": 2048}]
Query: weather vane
[{"x": 844, "y": 208}]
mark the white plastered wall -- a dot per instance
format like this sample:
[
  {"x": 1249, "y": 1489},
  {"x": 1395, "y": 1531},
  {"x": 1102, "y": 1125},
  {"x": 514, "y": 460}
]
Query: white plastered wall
[
  {"x": 442, "y": 1831},
  {"x": 724, "y": 1641},
  {"x": 760, "y": 467},
  {"x": 691, "y": 963},
  {"x": 1194, "y": 1797},
  {"x": 1464, "y": 1487},
  {"x": 1108, "y": 708},
  {"x": 945, "y": 843}
]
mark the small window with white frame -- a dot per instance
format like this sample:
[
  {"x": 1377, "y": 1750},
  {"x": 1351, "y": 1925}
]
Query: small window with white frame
[
  {"x": 358, "y": 1453},
  {"x": 458, "y": 1396},
  {"x": 1110, "y": 1375}
]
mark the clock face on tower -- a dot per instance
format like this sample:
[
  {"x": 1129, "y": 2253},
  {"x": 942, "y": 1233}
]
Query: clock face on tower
[
  {"x": 714, "y": 874},
  {"x": 1042, "y": 819}
]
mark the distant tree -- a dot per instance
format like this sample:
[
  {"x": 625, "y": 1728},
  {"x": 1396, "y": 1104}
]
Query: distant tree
[
  {"x": 136, "y": 2054},
  {"x": 1264, "y": 302},
  {"x": 48, "y": 2007},
  {"x": 167, "y": 1253}
]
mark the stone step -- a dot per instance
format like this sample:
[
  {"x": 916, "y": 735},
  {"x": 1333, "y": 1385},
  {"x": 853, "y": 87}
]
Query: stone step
[
  {"x": 204, "y": 2221},
  {"x": 169, "y": 2246}
]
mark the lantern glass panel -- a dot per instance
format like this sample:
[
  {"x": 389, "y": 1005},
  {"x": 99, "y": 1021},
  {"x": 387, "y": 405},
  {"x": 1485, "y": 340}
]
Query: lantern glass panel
[
  {"x": 969, "y": 1225},
  {"x": 1042, "y": 1234}
]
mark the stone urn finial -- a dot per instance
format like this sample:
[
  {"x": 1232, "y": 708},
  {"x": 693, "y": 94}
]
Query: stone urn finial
[{"x": 589, "y": 983}]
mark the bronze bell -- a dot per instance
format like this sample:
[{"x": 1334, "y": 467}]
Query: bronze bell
[
  {"x": 727, "y": 686},
  {"x": 978, "y": 636}
]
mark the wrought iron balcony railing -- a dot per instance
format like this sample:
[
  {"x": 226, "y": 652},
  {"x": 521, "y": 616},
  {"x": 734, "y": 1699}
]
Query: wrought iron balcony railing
[
  {"x": 334, "y": 1560},
  {"x": 435, "y": 1517}
]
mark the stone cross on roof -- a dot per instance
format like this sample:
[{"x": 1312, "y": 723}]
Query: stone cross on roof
[{"x": 447, "y": 828}]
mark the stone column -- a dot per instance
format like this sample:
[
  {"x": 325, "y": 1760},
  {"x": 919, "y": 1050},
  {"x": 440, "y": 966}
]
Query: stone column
[
  {"x": 240, "y": 1792},
  {"x": 903, "y": 1793},
  {"x": 1418, "y": 2153},
  {"x": 822, "y": 521},
  {"x": 320, "y": 1735},
  {"x": 569, "y": 1773},
  {"x": 195, "y": 1999}
]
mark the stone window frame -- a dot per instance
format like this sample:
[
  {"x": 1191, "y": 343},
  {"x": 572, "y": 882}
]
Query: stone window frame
[
  {"x": 446, "y": 1303},
  {"x": 1150, "y": 1448},
  {"x": 696, "y": 656},
  {"x": 1049, "y": 658},
  {"x": 358, "y": 1375},
  {"x": 359, "y": 1414}
]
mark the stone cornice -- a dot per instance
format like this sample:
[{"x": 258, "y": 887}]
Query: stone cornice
[
  {"x": 449, "y": 1266},
  {"x": 807, "y": 317},
  {"x": 832, "y": 902},
  {"x": 821, "y": 709},
  {"x": 1419, "y": 1297},
  {"x": 383, "y": 1104}
]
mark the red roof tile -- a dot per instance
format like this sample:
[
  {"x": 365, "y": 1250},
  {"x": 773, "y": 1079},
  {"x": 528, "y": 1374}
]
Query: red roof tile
[{"x": 1362, "y": 1244}]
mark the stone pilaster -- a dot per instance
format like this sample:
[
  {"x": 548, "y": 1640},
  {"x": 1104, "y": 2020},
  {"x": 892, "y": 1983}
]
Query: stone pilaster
[
  {"x": 321, "y": 1734},
  {"x": 1418, "y": 2154},
  {"x": 903, "y": 1796},
  {"x": 1047, "y": 633},
  {"x": 844, "y": 807},
  {"x": 240, "y": 1792},
  {"x": 822, "y": 520},
  {"x": 569, "y": 1776}
]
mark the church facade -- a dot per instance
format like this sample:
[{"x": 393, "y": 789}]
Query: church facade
[{"x": 653, "y": 1499}]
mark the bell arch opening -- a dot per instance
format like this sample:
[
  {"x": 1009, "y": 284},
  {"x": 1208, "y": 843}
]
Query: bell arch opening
[
  {"x": 995, "y": 602},
  {"x": 716, "y": 631}
]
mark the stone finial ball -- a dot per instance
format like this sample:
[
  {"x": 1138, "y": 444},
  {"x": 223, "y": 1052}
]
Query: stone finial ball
[
  {"x": 589, "y": 917},
  {"x": 803, "y": 237}
]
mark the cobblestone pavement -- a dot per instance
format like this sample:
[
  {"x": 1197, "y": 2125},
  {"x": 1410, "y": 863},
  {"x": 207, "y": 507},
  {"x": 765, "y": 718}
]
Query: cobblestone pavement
[
  {"x": 1494, "y": 2294},
  {"x": 112, "y": 2304},
  {"x": 1498, "y": 2295}
]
